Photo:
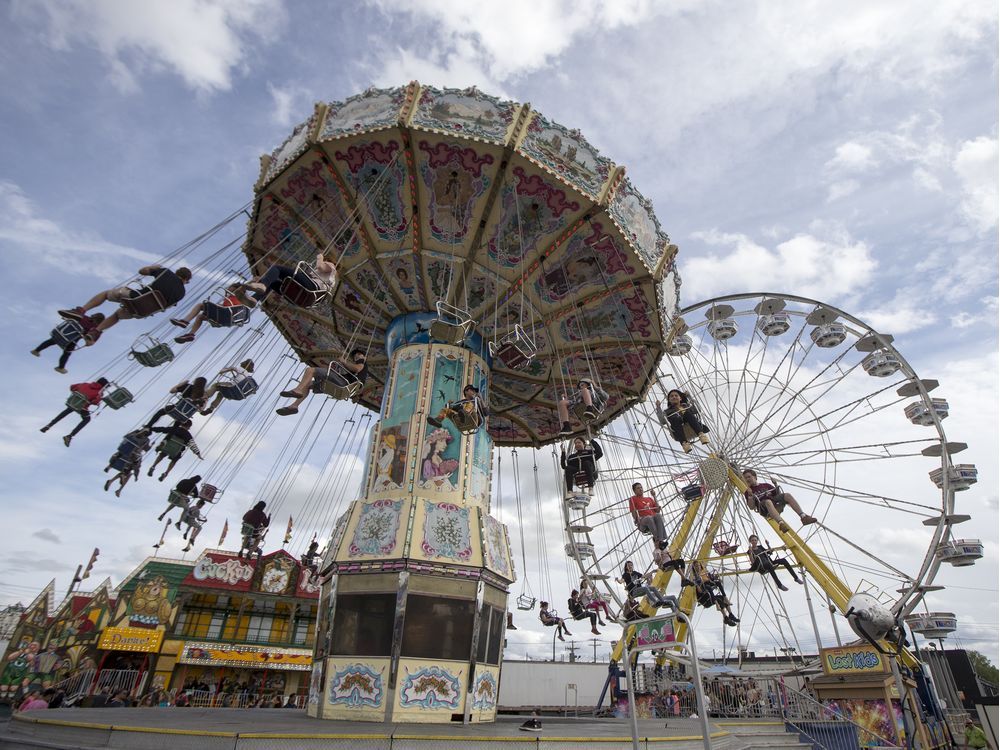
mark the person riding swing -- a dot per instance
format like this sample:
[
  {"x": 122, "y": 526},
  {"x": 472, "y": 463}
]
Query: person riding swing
[
  {"x": 682, "y": 419},
  {"x": 352, "y": 376},
  {"x": 762, "y": 562},
  {"x": 580, "y": 466},
  {"x": 467, "y": 414},
  {"x": 769, "y": 501}
]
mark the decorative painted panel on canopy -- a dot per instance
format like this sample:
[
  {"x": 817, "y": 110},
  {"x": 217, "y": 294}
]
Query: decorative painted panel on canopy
[{"x": 422, "y": 196}]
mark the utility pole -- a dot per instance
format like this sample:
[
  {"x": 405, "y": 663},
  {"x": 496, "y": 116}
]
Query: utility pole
[
  {"x": 594, "y": 641},
  {"x": 572, "y": 651}
]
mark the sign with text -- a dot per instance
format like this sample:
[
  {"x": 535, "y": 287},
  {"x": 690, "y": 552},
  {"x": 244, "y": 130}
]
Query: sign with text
[
  {"x": 221, "y": 571},
  {"x": 238, "y": 655},
  {"x": 131, "y": 639},
  {"x": 655, "y": 632},
  {"x": 853, "y": 660}
]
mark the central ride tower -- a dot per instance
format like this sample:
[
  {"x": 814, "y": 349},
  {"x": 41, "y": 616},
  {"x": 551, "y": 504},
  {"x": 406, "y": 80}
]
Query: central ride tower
[{"x": 413, "y": 614}]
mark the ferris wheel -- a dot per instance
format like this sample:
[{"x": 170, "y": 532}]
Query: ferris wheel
[{"x": 816, "y": 403}]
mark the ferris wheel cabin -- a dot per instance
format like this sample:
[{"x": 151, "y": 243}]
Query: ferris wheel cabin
[
  {"x": 960, "y": 553},
  {"x": 722, "y": 330},
  {"x": 774, "y": 324},
  {"x": 881, "y": 363},
  {"x": 933, "y": 624},
  {"x": 680, "y": 346},
  {"x": 828, "y": 335},
  {"x": 960, "y": 477},
  {"x": 921, "y": 414}
]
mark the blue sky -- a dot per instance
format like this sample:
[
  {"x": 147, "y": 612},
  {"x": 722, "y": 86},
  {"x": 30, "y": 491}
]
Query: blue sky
[{"x": 845, "y": 151}]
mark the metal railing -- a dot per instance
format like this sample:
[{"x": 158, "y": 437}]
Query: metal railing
[
  {"x": 207, "y": 699},
  {"x": 76, "y": 685},
  {"x": 111, "y": 681}
]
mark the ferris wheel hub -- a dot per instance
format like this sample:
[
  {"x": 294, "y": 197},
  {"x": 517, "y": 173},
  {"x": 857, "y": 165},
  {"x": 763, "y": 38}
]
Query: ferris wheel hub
[{"x": 714, "y": 472}]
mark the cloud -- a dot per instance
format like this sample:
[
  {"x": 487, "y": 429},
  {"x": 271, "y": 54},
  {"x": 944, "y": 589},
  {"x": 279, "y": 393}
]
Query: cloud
[
  {"x": 47, "y": 535},
  {"x": 29, "y": 233},
  {"x": 906, "y": 312},
  {"x": 202, "y": 41},
  {"x": 292, "y": 103},
  {"x": 852, "y": 157},
  {"x": 976, "y": 167},
  {"x": 823, "y": 267},
  {"x": 987, "y": 313},
  {"x": 841, "y": 189},
  {"x": 505, "y": 40}
]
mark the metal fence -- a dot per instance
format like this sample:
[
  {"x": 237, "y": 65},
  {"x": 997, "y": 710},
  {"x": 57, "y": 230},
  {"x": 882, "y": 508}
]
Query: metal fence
[
  {"x": 208, "y": 699},
  {"x": 76, "y": 685},
  {"x": 111, "y": 681}
]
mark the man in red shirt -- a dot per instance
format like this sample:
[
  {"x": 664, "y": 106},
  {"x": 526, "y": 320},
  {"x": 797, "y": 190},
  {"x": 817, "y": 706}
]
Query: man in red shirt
[
  {"x": 646, "y": 514},
  {"x": 769, "y": 502},
  {"x": 92, "y": 393}
]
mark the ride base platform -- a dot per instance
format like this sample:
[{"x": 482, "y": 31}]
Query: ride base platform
[{"x": 291, "y": 729}]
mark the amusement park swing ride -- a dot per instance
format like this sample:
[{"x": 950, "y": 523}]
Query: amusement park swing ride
[{"x": 478, "y": 243}]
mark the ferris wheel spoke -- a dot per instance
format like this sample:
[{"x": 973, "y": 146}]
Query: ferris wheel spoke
[
  {"x": 860, "y": 496},
  {"x": 848, "y": 416}
]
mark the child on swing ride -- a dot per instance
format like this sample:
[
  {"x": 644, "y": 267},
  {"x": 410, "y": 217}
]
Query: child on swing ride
[
  {"x": 581, "y": 460},
  {"x": 314, "y": 378},
  {"x": 682, "y": 419},
  {"x": 767, "y": 500}
]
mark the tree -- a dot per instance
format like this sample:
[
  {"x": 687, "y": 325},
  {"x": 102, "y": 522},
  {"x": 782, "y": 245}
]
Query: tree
[{"x": 984, "y": 668}]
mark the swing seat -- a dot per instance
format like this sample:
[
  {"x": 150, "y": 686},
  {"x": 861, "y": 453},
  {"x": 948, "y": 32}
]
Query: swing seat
[
  {"x": 222, "y": 316},
  {"x": 67, "y": 333},
  {"x": 724, "y": 548},
  {"x": 581, "y": 480},
  {"x": 209, "y": 493},
  {"x": 118, "y": 398},
  {"x": 178, "y": 499},
  {"x": 337, "y": 382},
  {"x": 238, "y": 389},
  {"x": 514, "y": 350},
  {"x": 77, "y": 402},
  {"x": 525, "y": 603},
  {"x": 182, "y": 409},
  {"x": 465, "y": 416},
  {"x": 149, "y": 352},
  {"x": 580, "y": 410},
  {"x": 172, "y": 447},
  {"x": 247, "y": 531},
  {"x": 453, "y": 324},
  {"x": 304, "y": 288},
  {"x": 692, "y": 492},
  {"x": 145, "y": 303},
  {"x": 122, "y": 463}
]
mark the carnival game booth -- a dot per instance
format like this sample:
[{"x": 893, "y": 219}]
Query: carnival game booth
[
  {"x": 244, "y": 630},
  {"x": 857, "y": 684}
]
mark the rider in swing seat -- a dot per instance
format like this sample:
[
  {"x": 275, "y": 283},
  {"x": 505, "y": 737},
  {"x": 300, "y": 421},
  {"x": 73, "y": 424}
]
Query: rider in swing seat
[
  {"x": 762, "y": 562},
  {"x": 313, "y": 377},
  {"x": 87, "y": 332},
  {"x": 168, "y": 284},
  {"x": 769, "y": 501},
  {"x": 469, "y": 413},
  {"x": 89, "y": 394},
  {"x": 682, "y": 419},
  {"x": 581, "y": 460},
  {"x": 186, "y": 489}
]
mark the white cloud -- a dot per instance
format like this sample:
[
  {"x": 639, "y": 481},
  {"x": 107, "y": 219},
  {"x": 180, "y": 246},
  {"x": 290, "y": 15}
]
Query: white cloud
[
  {"x": 24, "y": 230},
  {"x": 202, "y": 41},
  {"x": 507, "y": 39},
  {"x": 987, "y": 313},
  {"x": 841, "y": 189},
  {"x": 292, "y": 103},
  {"x": 906, "y": 312},
  {"x": 852, "y": 157},
  {"x": 823, "y": 267},
  {"x": 976, "y": 167}
]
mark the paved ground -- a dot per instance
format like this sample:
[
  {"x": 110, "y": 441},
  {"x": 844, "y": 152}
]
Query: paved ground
[{"x": 293, "y": 721}]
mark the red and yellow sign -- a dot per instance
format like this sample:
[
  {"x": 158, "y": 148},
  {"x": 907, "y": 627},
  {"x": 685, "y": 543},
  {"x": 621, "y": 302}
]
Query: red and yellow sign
[
  {"x": 250, "y": 657},
  {"x": 852, "y": 660},
  {"x": 131, "y": 639}
]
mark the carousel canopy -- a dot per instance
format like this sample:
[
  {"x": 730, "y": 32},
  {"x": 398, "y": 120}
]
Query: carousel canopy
[{"x": 423, "y": 195}]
